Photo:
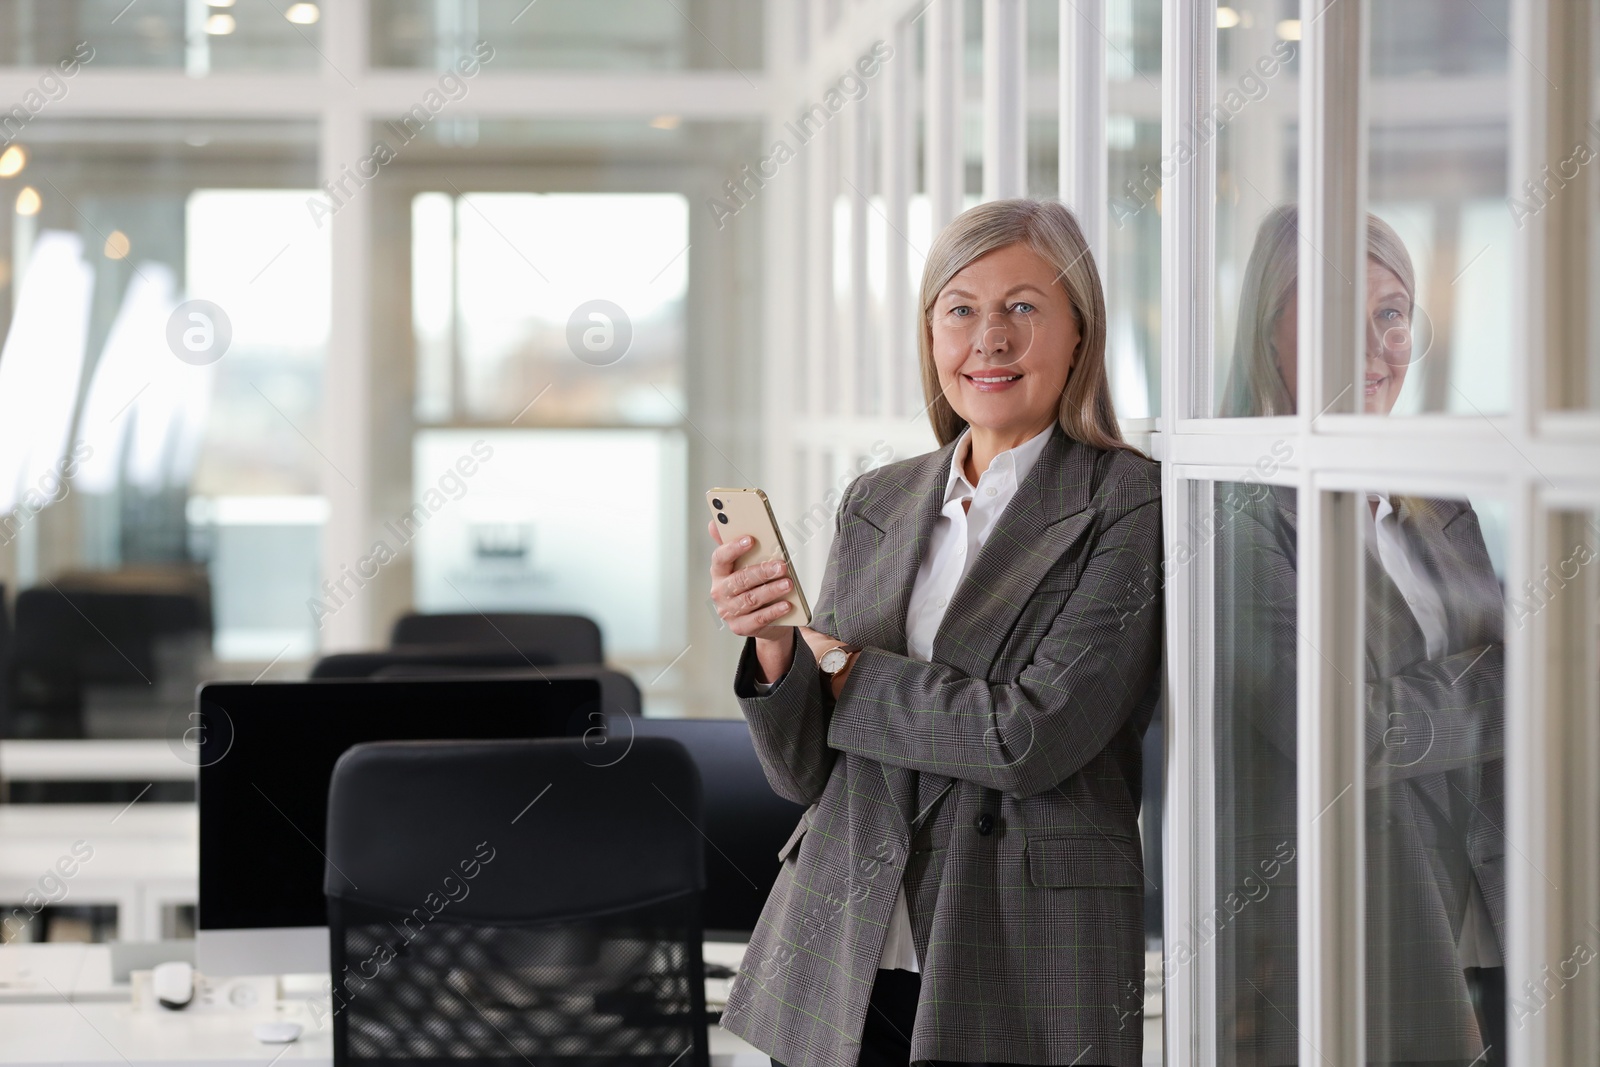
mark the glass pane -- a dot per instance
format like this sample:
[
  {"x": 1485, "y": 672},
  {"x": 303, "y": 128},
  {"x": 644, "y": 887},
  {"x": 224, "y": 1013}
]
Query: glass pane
[
  {"x": 570, "y": 34},
  {"x": 1133, "y": 41},
  {"x": 1133, "y": 267},
  {"x": 1440, "y": 233},
  {"x": 180, "y": 34},
  {"x": 1133, "y": 244},
  {"x": 534, "y": 285},
  {"x": 604, "y": 335},
  {"x": 1435, "y": 790},
  {"x": 1251, "y": 930},
  {"x": 1043, "y": 95},
  {"x": 148, "y": 364},
  {"x": 516, "y": 525},
  {"x": 1254, "y": 126}
]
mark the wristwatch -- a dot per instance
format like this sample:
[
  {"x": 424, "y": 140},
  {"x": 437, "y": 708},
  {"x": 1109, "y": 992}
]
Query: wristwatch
[{"x": 834, "y": 660}]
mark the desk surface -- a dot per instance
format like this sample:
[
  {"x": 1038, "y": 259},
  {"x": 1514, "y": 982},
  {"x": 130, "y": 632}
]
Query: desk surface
[
  {"x": 92, "y": 761},
  {"x": 113, "y": 1035}
]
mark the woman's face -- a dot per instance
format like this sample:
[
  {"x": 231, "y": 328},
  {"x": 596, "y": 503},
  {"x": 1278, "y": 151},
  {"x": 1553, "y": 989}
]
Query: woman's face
[
  {"x": 1388, "y": 346},
  {"x": 1004, "y": 340}
]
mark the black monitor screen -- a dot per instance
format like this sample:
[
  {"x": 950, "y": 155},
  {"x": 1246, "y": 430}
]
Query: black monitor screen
[
  {"x": 746, "y": 823},
  {"x": 266, "y": 754}
]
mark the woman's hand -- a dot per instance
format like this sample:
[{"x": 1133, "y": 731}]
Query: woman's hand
[{"x": 750, "y": 599}]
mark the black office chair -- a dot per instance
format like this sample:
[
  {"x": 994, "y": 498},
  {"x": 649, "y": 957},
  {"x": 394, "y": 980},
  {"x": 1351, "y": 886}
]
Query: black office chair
[
  {"x": 556, "y": 638},
  {"x": 5, "y": 664},
  {"x": 463, "y": 659},
  {"x": 510, "y": 902},
  {"x": 745, "y": 821},
  {"x": 619, "y": 693},
  {"x": 95, "y": 630}
]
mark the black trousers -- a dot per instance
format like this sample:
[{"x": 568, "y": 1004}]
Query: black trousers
[{"x": 891, "y": 1011}]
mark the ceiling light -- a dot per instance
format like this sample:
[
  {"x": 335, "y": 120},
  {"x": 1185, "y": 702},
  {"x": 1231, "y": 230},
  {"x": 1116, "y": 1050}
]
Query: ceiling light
[
  {"x": 28, "y": 202},
  {"x": 117, "y": 245},
  {"x": 220, "y": 25},
  {"x": 221, "y": 3},
  {"x": 1289, "y": 30},
  {"x": 12, "y": 160},
  {"x": 665, "y": 122},
  {"x": 1227, "y": 18},
  {"x": 303, "y": 14}
]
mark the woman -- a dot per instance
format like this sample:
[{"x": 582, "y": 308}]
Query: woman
[
  {"x": 963, "y": 716},
  {"x": 1435, "y": 914}
]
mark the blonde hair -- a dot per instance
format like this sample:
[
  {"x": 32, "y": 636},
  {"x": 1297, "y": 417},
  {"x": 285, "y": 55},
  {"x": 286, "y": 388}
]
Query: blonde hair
[
  {"x": 1051, "y": 231},
  {"x": 1255, "y": 381}
]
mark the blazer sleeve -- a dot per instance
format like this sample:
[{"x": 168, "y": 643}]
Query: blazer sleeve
[
  {"x": 1088, "y": 674},
  {"x": 789, "y": 723}
]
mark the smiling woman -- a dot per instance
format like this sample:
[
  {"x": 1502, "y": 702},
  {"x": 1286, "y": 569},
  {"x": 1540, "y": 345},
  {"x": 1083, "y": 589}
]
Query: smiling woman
[{"x": 966, "y": 710}]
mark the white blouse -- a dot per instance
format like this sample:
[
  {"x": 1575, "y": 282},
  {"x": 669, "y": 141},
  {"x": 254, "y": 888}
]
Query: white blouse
[{"x": 957, "y": 536}]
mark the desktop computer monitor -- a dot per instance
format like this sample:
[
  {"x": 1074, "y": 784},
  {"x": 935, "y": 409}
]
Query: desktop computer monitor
[
  {"x": 266, "y": 754},
  {"x": 746, "y": 823}
]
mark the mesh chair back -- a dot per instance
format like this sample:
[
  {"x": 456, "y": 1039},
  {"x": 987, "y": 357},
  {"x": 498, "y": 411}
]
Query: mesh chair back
[
  {"x": 511, "y": 902},
  {"x": 547, "y": 638}
]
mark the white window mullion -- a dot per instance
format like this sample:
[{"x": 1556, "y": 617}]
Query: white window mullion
[
  {"x": 897, "y": 353},
  {"x": 347, "y": 386},
  {"x": 819, "y": 278},
  {"x": 1005, "y": 112},
  {"x": 862, "y": 379},
  {"x": 1189, "y": 998},
  {"x": 943, "y": 78},
  {"x": 1332, "y": 789},
  {"x": 1082, "y": 157},
  {"x": 1552, "y": 815}
]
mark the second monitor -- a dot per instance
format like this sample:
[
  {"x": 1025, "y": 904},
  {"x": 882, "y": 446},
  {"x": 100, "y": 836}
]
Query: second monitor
[{"x": 266, "y": 753}]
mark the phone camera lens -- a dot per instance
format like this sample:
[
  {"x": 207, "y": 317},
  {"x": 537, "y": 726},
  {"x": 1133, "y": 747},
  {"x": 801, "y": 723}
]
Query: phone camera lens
[
  {"x": 716, "y": 504},
  {"x": 722, "y": 518}
]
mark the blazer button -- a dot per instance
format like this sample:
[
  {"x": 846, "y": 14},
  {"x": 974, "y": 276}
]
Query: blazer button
[{"x": 984, "y": 824}]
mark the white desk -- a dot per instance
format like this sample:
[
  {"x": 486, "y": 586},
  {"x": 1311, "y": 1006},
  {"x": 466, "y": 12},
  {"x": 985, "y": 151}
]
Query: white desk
[
  {"x": 146, "y": 857},
  {"x": 60, "y": 1034},
  {"x": 92, "y": 761},
  {"x": 49, "y": 973}
]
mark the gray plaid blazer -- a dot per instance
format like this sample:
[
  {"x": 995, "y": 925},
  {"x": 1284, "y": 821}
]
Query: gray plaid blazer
[
  {"x": 1435, "y": 741},
  {"x": 999, "y": 782}
]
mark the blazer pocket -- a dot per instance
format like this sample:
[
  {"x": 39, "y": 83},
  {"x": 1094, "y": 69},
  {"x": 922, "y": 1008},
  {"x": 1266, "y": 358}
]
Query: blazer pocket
[
  {"x": 800, "y": 829},
  {"x": 1093, "y": 860}
]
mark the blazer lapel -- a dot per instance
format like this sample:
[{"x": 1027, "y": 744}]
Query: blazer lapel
[
  {"x": 1049, "y": 513},
  {"x": 871, "y": 604},
  {"x": 901, "y": 515}
]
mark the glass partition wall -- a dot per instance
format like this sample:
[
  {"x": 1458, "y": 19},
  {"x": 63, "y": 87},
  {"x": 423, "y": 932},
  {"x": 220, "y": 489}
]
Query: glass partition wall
[
  {"x": 457, "y": 264},
  {"x": 1375, "y": 834},
  {"x": 1349, "y": 252}
]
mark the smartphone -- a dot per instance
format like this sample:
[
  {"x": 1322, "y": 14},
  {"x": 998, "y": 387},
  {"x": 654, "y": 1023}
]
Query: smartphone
[{"x": 747, "y": 513}]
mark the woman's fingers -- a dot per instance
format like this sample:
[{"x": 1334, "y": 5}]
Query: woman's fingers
[
  {"x": 754, "y": 623},
  {"x": 724, "y": 555},
  {"x": 749, "y": 577},
  {"x": 734, "y": 602}
]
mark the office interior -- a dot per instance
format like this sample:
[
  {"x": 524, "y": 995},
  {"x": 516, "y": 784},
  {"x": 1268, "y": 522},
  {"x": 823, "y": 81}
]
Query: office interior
[{"x": 366, "y": 363}]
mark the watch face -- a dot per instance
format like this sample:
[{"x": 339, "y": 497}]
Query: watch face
[{"x": 833, "y": 660}]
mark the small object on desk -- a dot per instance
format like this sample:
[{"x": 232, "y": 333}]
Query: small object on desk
[
  {"x": 277, "y": 1032},
  {"x": 173, "y": 984}
]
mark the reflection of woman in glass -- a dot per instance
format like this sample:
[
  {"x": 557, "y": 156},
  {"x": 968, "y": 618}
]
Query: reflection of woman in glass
[{"x": 1435, "y": 889}]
